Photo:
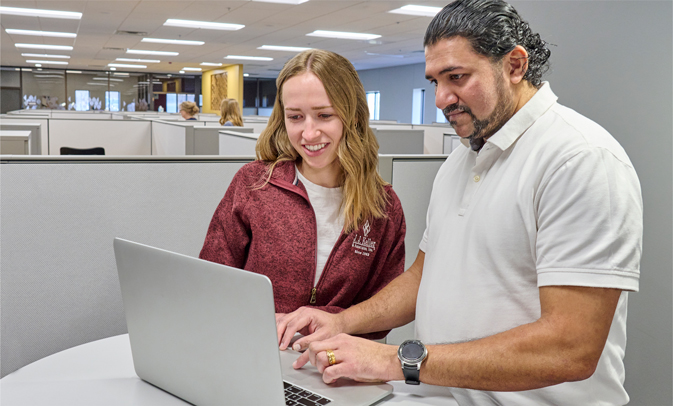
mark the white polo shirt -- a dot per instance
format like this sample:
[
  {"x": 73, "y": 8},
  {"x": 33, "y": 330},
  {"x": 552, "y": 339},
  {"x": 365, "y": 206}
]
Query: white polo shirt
[{"x": 551, "y": 199}]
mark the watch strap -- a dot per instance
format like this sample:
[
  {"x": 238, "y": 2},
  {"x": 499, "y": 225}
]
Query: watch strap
[{"x": 411, "y": 374}]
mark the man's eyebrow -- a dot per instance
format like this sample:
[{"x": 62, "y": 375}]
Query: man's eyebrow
[{"x": 443, "y": 71}]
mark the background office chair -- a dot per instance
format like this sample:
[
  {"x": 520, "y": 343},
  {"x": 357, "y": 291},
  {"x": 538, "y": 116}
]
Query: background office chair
[{"x": 84, "y": 151}]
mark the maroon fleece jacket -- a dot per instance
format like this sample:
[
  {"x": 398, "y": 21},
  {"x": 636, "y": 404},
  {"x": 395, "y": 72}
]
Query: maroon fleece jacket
[{"x": 272, "y": 231}]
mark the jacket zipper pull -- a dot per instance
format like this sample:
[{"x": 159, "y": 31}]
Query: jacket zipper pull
[{"x": 312, "y": 300}]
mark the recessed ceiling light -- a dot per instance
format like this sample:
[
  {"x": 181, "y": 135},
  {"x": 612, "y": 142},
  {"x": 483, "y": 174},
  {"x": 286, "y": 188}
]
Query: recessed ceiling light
[
  {"x": 283, "y": 48},
  {"x": 413, "y": 10},
  {"x": 192, "y": 69},
  {"x": 343, "y": 35},
  {"x": 43, "y": 46},
  {"x": 205, "y": 25},
  {"x": 210, "y": 64},
  {"x": 37, "y": 64},
  {"x": 41, "y": 33},
  {"x": 246, "y": 74},
  {"x": 172, "y": 41},
  {"x": 113, "y": 68},
  {"x": 31, "y": 12},
  {"x": 138, "y": 60},
  {"x": 283, "y": 1},
  {"x": 143, "y": 52},
  {"x": 182, "y": 71},
  {"x": 48, "y": 62},
  {"x": 122, "y": 65},
  {"x": 249, "y": 58},
  {"x": 46, "y": 56}
]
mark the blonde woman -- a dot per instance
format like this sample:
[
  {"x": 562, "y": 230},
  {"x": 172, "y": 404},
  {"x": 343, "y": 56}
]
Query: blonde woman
[
  {"x": 230, "y": 113},
  {"x": 312, "y": 213},
  {"x": 188, "y": 110}
]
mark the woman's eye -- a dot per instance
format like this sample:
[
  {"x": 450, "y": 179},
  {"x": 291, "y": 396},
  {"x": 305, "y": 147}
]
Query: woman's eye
[
  {"x": 326, "y": 116},
  {"x": 292, "y": 117}
]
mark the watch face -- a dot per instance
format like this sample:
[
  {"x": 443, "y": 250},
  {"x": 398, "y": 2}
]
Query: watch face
[{"x": 412, "y": 351}]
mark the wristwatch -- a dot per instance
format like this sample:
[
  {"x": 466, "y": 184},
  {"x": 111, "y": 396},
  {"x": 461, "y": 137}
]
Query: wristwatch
[{"x": 411, "y": 354}]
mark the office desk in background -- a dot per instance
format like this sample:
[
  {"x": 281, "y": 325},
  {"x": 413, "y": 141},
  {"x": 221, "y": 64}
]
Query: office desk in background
[{"x": 101, "y": 373}]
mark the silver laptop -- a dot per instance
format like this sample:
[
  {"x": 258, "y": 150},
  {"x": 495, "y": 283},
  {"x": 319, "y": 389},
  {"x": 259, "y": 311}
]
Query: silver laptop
[{"x": 206, "y": 333}]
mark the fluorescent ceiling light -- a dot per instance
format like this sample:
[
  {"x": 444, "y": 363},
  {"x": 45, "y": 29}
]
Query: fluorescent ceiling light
[
  {"x": 38, "y": 65},
  {"x": 182, "y": 71},
  {"x": 192, "y": 69},
  {"x": 283, "y": 1},
  {"x": 205, "y": 25},
  {"x": 46, "y": 56},
  {"x": 138, "y": 60},
  {"x": 41, "y": 33},
  {"x": 143, "y": 52},
  {"x": 283, "y": 48},
  {"x": 31, "y": 12},
  {"x": 98, "y": 84},
  {"x": 342, "y": 35},
  {"x": 48, "y": 62},
  {"x": 43, "y": 46},
  {"x": 249, "y": 58},
  {"x": 210, "y": 64},
  {"x": 113, "y": 68},
  {"x": 111, "y": 79},
  {"x": 48, "y": 76},
  {"x": 412, "y": 10},
  {"x": 172, "y": 41},
  {"x": 122, "y": 65},
  {"x": 73, "y": 71},
  {"x": 246, "y": 75},
  {"x": 120, "y": 74}
]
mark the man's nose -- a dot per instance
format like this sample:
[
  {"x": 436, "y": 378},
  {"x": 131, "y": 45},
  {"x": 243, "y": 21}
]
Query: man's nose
[{"x": 444, "y": 97}]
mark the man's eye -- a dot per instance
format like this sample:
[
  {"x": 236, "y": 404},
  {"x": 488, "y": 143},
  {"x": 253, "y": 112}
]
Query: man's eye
[{"x": 456, "y": 77}]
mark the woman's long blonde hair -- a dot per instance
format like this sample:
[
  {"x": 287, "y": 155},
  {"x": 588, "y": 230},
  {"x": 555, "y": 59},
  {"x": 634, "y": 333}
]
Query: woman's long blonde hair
[
  {"x": 364, "y": 195},
  {"x": 229, "y": 111}
]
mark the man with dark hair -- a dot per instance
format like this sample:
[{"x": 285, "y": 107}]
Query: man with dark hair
[{"x": 533, "y": 239}]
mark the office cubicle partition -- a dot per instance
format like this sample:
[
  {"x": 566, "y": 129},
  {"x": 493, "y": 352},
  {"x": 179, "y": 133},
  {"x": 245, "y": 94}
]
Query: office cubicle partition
[
  {"x": 399, "y": 141},
  {"x": 412, "y": 177},
  {"x": 118, "y": 137},
  {"x": 59, "y": 216},
  {"x": 35, "y": 136}
]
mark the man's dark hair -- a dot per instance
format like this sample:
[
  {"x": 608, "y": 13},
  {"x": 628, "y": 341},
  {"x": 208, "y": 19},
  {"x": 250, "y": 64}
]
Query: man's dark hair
[{"x": 494, "y": 28}]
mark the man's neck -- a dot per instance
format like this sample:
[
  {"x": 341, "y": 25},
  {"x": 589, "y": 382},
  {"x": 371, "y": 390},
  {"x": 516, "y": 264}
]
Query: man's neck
[{"x": 525, "y": 93}]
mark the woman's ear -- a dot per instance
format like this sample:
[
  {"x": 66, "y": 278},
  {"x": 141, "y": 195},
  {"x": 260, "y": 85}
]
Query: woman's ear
[{"x": 517, "y": 62}]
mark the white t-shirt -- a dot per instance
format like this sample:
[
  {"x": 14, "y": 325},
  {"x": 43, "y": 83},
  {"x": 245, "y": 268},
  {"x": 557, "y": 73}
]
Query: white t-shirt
[
  {"x": 326, "y": 204},
  {"x": 551, "y": 199}
]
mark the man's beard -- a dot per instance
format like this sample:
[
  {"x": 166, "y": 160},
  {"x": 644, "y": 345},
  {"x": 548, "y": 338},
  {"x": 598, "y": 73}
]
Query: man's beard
[{"x": 483, "y": 129}]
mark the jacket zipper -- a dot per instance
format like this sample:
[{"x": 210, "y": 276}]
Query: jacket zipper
[{"x": 314, "y": 291}]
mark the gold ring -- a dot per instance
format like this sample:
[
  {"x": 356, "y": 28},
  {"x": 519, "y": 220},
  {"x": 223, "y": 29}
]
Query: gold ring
[{"x": 330, "y": 357}]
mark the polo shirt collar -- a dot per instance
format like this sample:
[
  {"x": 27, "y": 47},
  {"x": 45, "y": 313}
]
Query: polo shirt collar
[{"x": 541, "y": 101}]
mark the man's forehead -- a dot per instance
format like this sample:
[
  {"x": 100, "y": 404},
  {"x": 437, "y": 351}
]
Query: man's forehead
[{"x": 451, "y": 52}]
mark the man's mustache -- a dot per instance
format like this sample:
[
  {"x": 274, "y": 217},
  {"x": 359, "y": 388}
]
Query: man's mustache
[{"x": 455, "y": 107}]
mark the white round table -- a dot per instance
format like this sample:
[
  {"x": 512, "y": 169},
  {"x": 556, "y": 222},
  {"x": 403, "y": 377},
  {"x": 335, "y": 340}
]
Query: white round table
[{"x": 101, "y": 373}]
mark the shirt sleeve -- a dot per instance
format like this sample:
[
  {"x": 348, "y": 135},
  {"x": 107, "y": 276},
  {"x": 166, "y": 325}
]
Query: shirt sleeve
[
  {"x": 229, "y": 233},
  {"x": 589, "y": 215}
]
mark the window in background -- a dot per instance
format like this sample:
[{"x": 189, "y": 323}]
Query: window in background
[
  {"x": 417, "y": 106},
  {"x": 190, "y": 97},
  {"x": 43, "y": 88},
  {"x": 374, "y": 103},
  {"x": 82, "y": 100},
  {"x": 112, "y": 101},
  {"x": 440, "y": 117},
  {"x": 181, "y": 98},
  {"x": 171, "y": 103},
  {"x": 200, "y": 100}
]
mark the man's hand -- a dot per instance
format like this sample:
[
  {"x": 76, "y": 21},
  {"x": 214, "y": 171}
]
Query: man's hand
[
  {"x": 313, "y": 324},
  {"x": 358, "y": 359}
]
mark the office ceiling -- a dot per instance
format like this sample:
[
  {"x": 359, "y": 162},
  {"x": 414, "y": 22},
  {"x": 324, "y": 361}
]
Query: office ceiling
[{"x": 103, "y": 32}]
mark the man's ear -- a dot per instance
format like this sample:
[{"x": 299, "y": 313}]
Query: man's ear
[{"x": 516, "y": 64}]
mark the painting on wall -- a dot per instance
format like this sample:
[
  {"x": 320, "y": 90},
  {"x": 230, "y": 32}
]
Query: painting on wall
[{"x": 218, "y": 89}]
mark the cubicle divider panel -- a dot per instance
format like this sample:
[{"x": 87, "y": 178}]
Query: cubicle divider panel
[
  {"x": 399, "y": 141},
  {"x": 118, "y": 137},
  {"x": 170, "y": 138},
  {"x": 35, "y": 133},
  {"x": 21, "y": 119},
  {"x": 412, "y": 178},
  {"x": 59, "y": 217},
  {"x": 233, "y": 143}
]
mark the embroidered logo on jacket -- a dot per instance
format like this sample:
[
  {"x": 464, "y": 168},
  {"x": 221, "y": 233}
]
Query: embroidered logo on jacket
[{"x": 362, "y": 244}]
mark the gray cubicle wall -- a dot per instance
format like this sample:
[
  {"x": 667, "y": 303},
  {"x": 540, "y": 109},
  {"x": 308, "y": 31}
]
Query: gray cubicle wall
[
  {"x": 35, "y": 129},
  {"x": 59, "y": 216},
  {"x": 403, "y": 141},
  {"x": 234, "y": 143},
  {"x": 210, "y": 141},
  {"x": 412, "y": 177}
]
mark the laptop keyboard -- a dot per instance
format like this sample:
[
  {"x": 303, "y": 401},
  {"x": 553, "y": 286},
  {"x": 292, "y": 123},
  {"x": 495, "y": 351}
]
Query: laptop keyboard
[{"x": 296, "y": 396}]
